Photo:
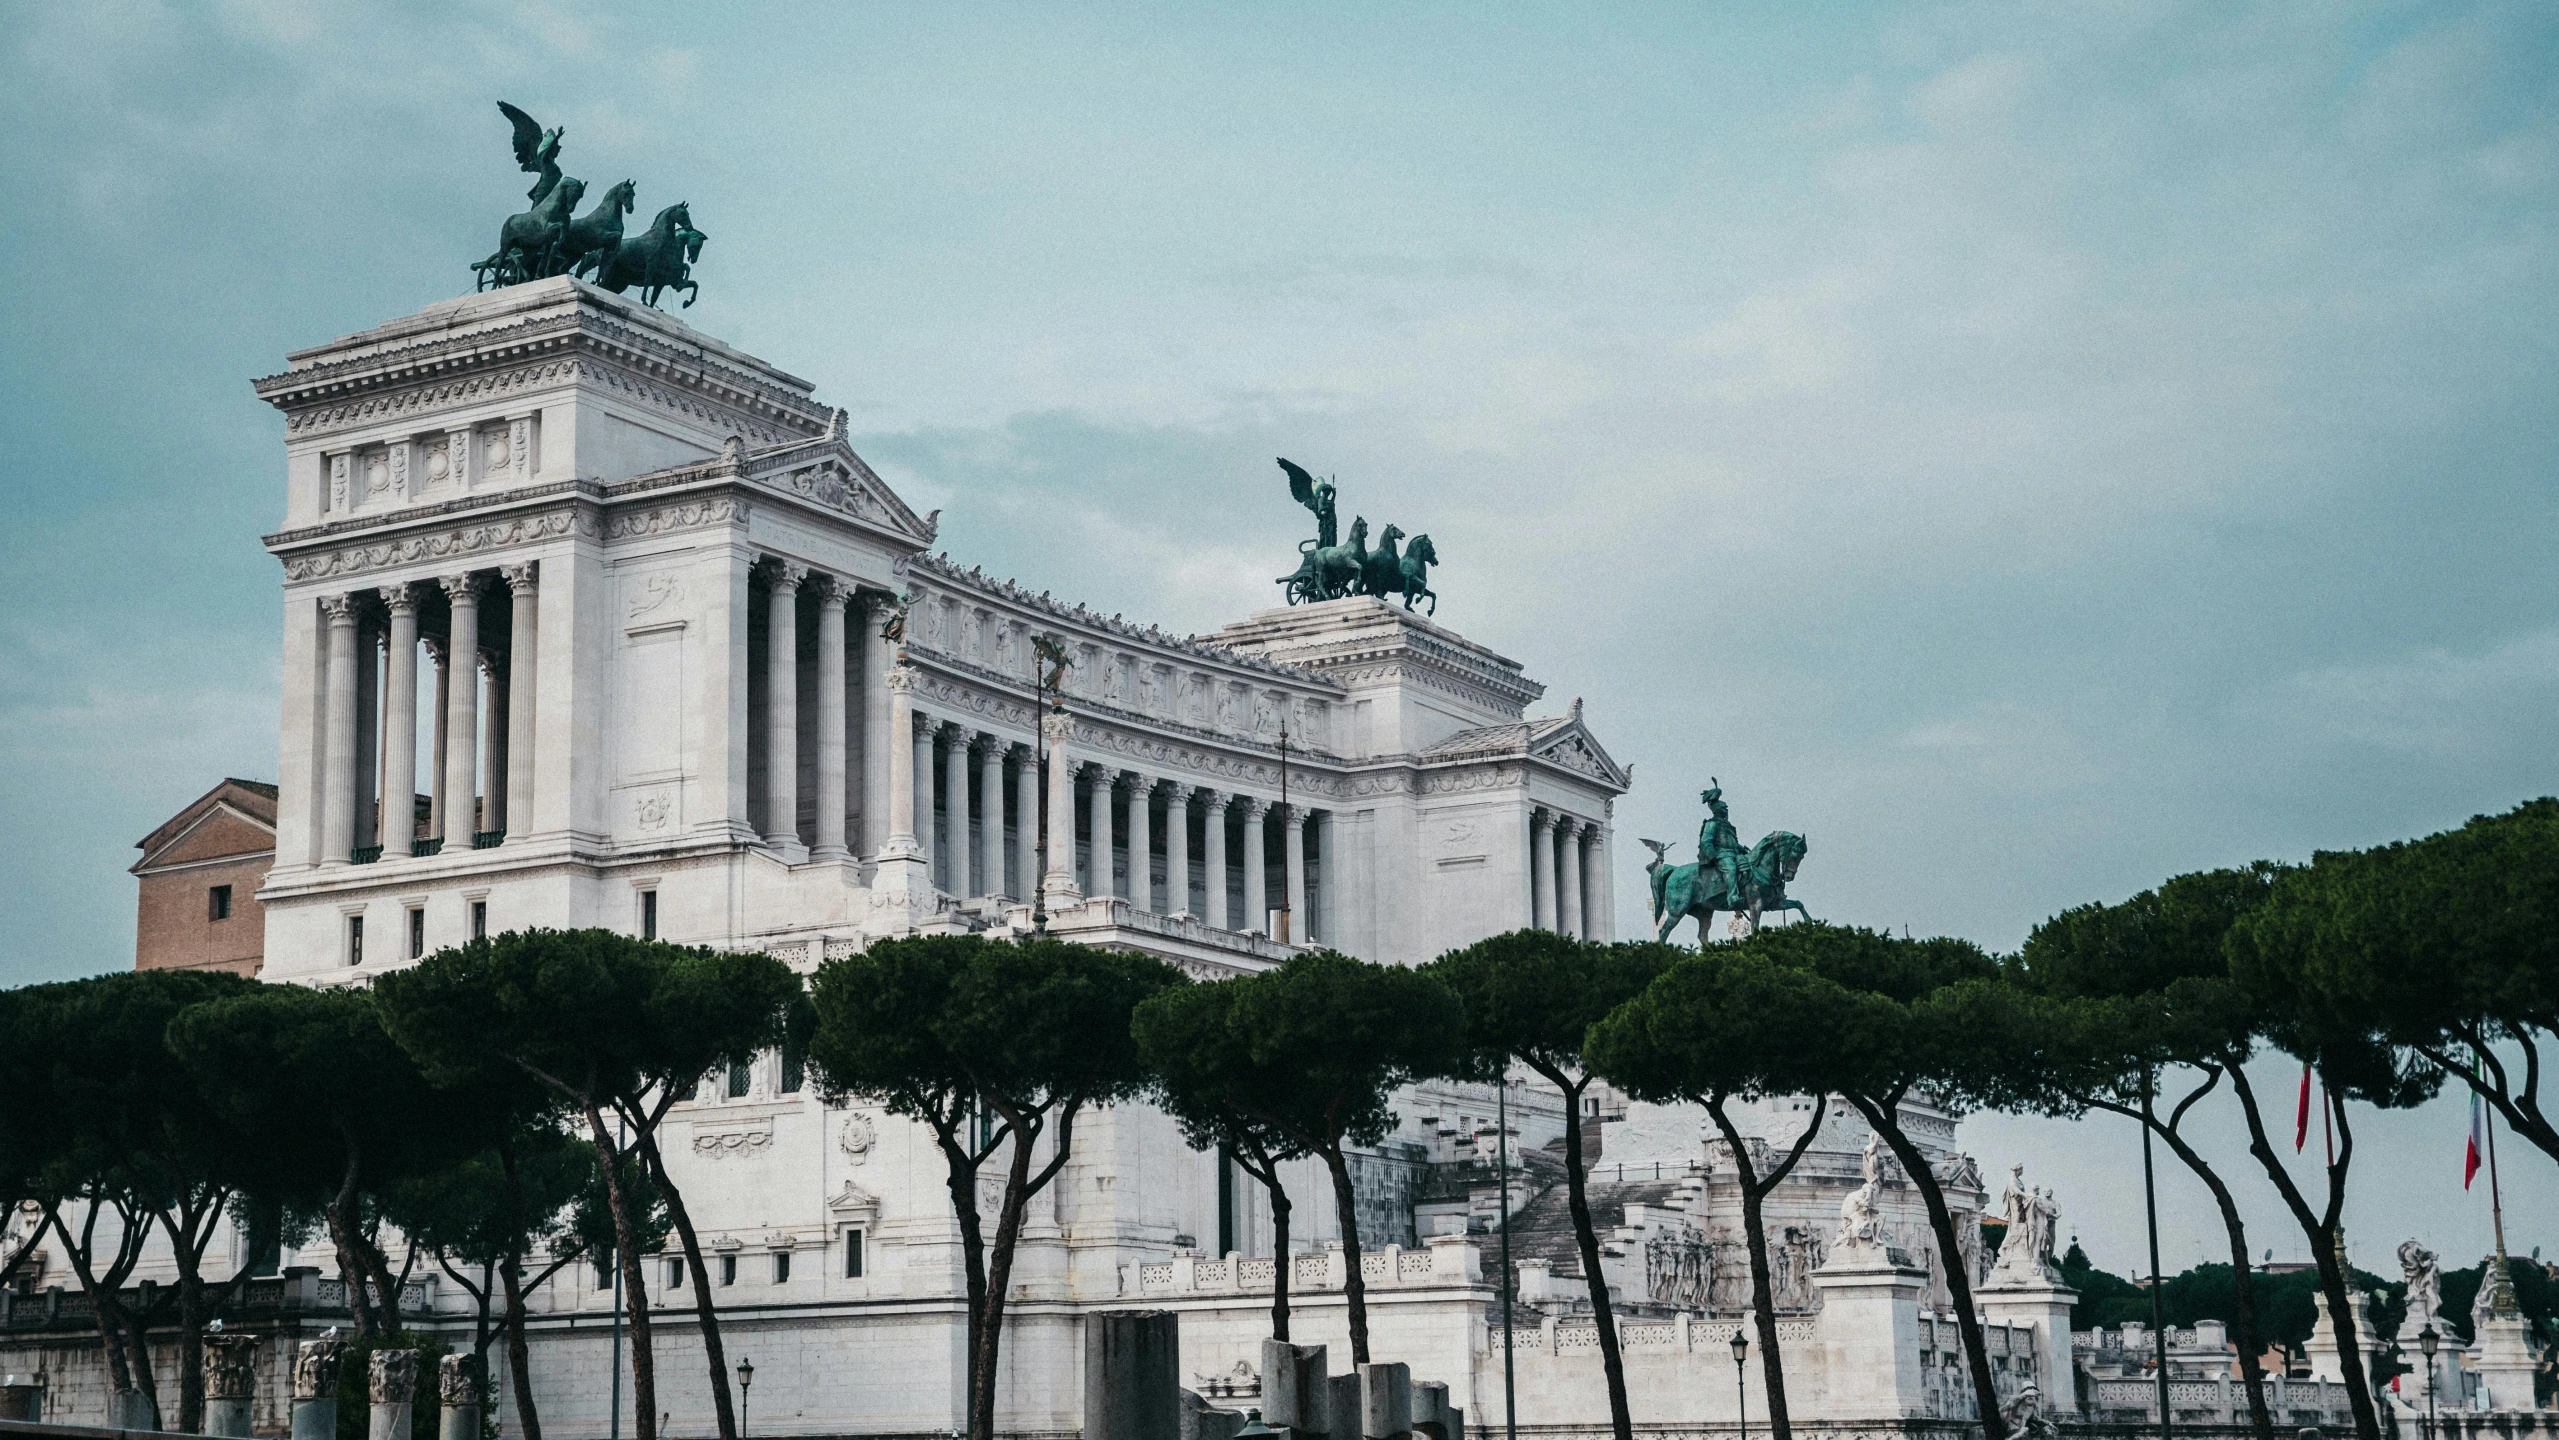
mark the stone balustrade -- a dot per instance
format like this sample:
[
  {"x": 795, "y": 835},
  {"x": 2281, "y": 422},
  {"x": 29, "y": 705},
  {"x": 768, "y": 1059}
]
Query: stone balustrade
[{"x": 1445, "y": 1260}]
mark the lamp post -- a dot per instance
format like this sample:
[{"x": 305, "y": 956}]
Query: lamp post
[
  {"x": 1048, "y": 696},
  {"x": 745, "y": 1383},
  {"x": 2427, "y": 1339},
  {"x": 1510, "y": 1277},
  {"x": 1741, "y": 1390}
]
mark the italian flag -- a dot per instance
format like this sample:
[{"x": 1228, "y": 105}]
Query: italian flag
[{"x": 2478, "y": 1141}]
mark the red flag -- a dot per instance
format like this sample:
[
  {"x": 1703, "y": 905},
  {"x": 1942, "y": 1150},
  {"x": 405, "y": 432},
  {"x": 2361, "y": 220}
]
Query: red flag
[
  {"x": 2301, "y": 1120},
  {"x": 2470, "y": 1155}
]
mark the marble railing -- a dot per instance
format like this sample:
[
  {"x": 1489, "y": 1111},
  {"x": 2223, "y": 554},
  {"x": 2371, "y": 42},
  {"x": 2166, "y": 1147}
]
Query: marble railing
[
  {"x": 1446, "y": 1260},
  {"x": 2222, "y": 1401},
  {"x": 1678, "y": 1333}
]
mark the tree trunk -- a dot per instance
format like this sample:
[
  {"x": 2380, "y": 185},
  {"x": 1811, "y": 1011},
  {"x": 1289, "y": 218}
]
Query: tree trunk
[
  {"x": 1268, "y": 1174},
  {"x": 1881, "y": 1114},
  {"x": 1019, "y": 1186},
  {"x": 2520, "y": 1107},
  {"x": 125, "y": 1369},
  {"x": 2321, "y": 1231},
  {"x": 635, "y": 1294},
  {"x": 190, "y": 1331},
  {"x": 518, "y": 1359},
  {"x": 1354, "y": 1287},
  {"x": 1763, "y": 1297},
  {"x": 712, "y": 1352},
  {"x": 960, "y": 1167},
  {"x": 344, "y": 1236},
  {"x": 1621, "y": 1417},
  {"x": 2252, "y": 1346}
]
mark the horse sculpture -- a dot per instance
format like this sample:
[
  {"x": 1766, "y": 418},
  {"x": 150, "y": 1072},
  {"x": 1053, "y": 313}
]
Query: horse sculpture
[
  {"x": 529, "y": 243},
  {"x": 656, "y": 261},
  {"x": 592, "y": 236},
  {"x": 1330, "y": 572},
  {"x": 1412, "y": 575},
  {"x": 1378, "y": 574},
  {"x": 1680, "y": 891}
]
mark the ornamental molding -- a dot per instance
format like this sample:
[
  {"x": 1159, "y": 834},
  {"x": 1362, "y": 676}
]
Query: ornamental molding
[
  {"x": 1473, "y": 778},
  {"x": 719, "y": 1142},
  {"x": 1080, "y": 623},
  {"x": 467, "y": 540},
  {"x": 451, "y": 394}
]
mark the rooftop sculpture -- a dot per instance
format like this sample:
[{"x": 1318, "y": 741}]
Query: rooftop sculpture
[
  {"x": 551, "y": 239},
  {"x": 1329, "y": 571}
]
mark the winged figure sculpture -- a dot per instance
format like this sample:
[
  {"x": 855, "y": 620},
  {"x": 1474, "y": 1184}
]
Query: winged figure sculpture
[{"x": 537, "y": 151}]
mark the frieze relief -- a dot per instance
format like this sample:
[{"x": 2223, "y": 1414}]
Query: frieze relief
[
  {"x": 1474, "y": 777},
  {"x": 1574, "y": 754},
  {"x": 467, "y": 540},
  {"x": 683, "y": 515},
  {"x": 428, "y": 397}
]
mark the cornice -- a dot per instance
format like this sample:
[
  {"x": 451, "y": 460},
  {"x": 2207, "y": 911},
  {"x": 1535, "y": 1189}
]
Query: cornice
[{"x": 1193, "y": 649}]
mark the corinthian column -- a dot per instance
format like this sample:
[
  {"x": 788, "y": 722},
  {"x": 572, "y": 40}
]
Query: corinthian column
[
  {"x": 1105, "y": 783},
  {"x": 901, "y": 748},
  {"x": 462, "y": 712},
  {"x": 927, "y": 842},
  {"x": 955, "y": 812},
  {"x": 1026, "y": 823},
  {"x": 1213, "y": 860},
  {"x": 1257, "y": 907},
  {"x": 493, "y": 742},
  {"x": 338, "y": 772},
  {"x": 1059, "y": 883},
  {"x": 1541, "y": 870},
  {"x": 400, "y": 723},
  {"x": 1177, "y": 850},
  {"x": 1568, "y": 877},
  {"x": 1141, "y": 842},
  {"x": 524, "y": 650},
  {"x": 990, "y": 802},
  {"x": 1301, "y": 921},
  {"x": 782, "y": 704},
  {"x": 832, "y": 596},
  {"x": 876, "y": 730}
]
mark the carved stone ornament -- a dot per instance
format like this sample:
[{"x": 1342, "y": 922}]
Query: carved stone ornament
[
  {"x": 858, "y": 1136},
  {"x": 714, "y": 1144},
  {"x": 665, "y": 519},
  {"x": 522, "y": 577},
  {"x": 230, "y": 1367},
  {"x": 395, "y": 1376},
  {"x": 468, "y": 540},
  {"x": 453, "y": 1383},
  {"x": 315, "y": 1368},
  {"x": 650, "y": 812}
]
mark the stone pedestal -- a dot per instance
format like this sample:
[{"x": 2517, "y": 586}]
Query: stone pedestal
[
  {"x": 230, "y": 1383},
  {"x": 458, "y": 1390},
  {"x": 1870, "y": 1334},
  {"x": 1385, "y": 1401},
  {"x": 315, "y": 1388},
  {"x": 1433, "y": 1417},
  {"x": 130, "y": 1410},
  {"x": 2022, "y": 1299},
  {"x": 1296, "y": 1393},
  {"x": 395, "y": 1385},
  {"x": 1132, "y": 1375},
  {"x": 2322, "y": 1346},
  {"x": 2502, "y": 1357}
]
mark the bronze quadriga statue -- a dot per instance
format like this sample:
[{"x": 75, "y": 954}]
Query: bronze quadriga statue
[{"x": 550, "y": 239}]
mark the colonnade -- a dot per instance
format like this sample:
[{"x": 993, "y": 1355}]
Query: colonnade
[
  {"x": 1567, "y": 870},
  {"x": 366, "y": 771}
]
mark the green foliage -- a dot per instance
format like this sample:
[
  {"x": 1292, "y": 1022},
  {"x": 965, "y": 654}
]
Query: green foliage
[
  {"x": 1206, "y": 1075},
  {"x": 120, "y": 1107},
  {"x": 1730, "y": 1020},
  {"x": 355, "y": 1382},
  {"x": 1353, "y": 1032},
  {"x": 2287, "y": 1300},
  {"x": 467, "y": 1211},
  {"x": 1534, "y": 994}
]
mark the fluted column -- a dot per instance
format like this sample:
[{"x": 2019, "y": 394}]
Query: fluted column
[
  {"x": 832, "y": 596},
  {"x": 1177, "y": 850},
  {"x": 442, "y": 711},
  {"x": 928, "y": 823},
  {"x": 876, "y": 729},
  {"x": 1141, "y": 842},
  {"x": 901, "y": 838},
  {"x": 1584, "y": 852},
  {"x": 338, "y": 775},
  {"x": 493, "y": 741},
  {"x": 1301, "y": 920},
  {"x": 1597, "y": 895},
  {"x": 1218, "y": 914},
  {"x": 524, "y": 651},
  {"x": 955, "y": 810},
  {"x": 400, "y": 723},
  {"x": 990, "y": 804},
  {"x": 1059, "y": 882},
  {"x": 1022, "y": 879},
  {"x": 462, "y": 712},
  {"x": 1257, "y": 908},
  {"x": 782, "y": 703},
  {"x": 1541, "y": 870},
  {"x": 1322, "y": 873},
  {"x": 1105, "y": 782},
  {"x": 1568, "y": 877}
]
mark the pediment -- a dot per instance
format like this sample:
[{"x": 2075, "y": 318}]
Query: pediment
[
  {"x": 1571, "y": 745},
  {"x": 851, "y": 1203},
  {"x": 827, "y": 471}
]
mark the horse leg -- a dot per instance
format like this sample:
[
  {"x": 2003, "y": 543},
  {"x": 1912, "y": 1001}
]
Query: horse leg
[{"x": 691, "y": 292}]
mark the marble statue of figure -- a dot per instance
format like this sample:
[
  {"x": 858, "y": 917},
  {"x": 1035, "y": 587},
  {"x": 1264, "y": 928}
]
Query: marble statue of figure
[
  {"x": 2015, "y": 1206},
  {"x": 2047, "y": 1225},
  {"x": 1861, "y": 1220},
  {"x": 2024, "y": 1413},
  {"x": 2425, "y": 1285}
]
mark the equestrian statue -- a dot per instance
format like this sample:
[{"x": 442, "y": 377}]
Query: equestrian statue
[
  {"x": 1327, "y": 570},
  {"x": 551, "y": 239},
  {"x": 1749, "y": 883}
]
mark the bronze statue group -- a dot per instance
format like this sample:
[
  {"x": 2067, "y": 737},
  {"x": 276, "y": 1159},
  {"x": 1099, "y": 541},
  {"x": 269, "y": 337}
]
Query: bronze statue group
[{"x": 546, "y": 241}]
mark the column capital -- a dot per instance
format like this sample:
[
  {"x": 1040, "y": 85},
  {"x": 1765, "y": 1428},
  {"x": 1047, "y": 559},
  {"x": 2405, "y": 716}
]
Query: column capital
[
  {"x": 1253, "y": 806},
  {"x": 434, "y": 647},
  {"x": 783, "y": 576},
  {"x": 522, "y": 577},
  {"x": 401, "y": 599},
  {"x": 340, "y": 609},
  {"x": 901, "y": 679},
  {"x": 1542, "y": 819},
  {"x": 874, "y": 604},
  {"x": 985, "y": 743},
  {"x": 1056, "y": 727},
  {"x": 465, "y": 586},
  {"x": 1566, "y": 827},
  {"x": 1215, "y": 801},
  {"x": 833, "y": 592}
]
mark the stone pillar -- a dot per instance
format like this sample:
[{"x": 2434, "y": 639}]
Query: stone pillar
[
  {"x": 1541, "y": 870},
  {"x": 876, "y": 730},
  {"x": 1059, "y": 883},
  {"x": 1257, "y": 908},
  {"x": 1568, "y": 877},
  {"x": 1133, "y": 1375},
  {"x": 1301, "y": 922},
  {"x": 230, "y": 1382},
  {"x": 461, "y": 714},
  {"x": 368, "y": 730},
  {"x": 524, "y": 653},
  {"x": 395, "y": 1384},
  {"x": 442, "y": 711},
  {"x": 1141, "y": 842},
  {"x": 1869, "y": 1332},
  {"x": 337, "y": 776},
  {"x": 459, "y": 1392},
  {"x": 928, "y": 759},
  {"x": 493, "y": 743},
  {"x": 1599, "y": 890},
  {"x": 1386, "y": 1401},
  {"x": 1586, "y": 867},
  {"x": 1213, "y": 805},
  {"x": 832, "y": 596},
  {"x": 1297, "y": 1392},
  {"x": 1177, "y": 851},
  {"x": 1103, "y": 791},
  {"x": 315, "y": 1390},
  {"x": 901, "y": 837},
  {"x": 1324, "y": 905},
  {"x": 782, "y": 704},
  {"x": 2017, "y": 1298},
  {"x": 1026, "y": 823},
  {"x": 400, "y": 723},
  {"x": 955, "y": 812},
  {"x": 990, "y": 804}
]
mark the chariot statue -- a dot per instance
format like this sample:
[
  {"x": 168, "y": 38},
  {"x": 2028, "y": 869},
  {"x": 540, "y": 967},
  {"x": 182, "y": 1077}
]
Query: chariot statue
[
  {"x": 551, "y": 239},
  {"x": 1329, "y": 570},
  {"x": 1748, "y": 883}
]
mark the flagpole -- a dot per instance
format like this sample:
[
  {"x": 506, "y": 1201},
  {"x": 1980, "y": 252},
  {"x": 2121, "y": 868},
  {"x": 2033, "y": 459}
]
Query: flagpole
[{"x": 2496, "y": 1201}]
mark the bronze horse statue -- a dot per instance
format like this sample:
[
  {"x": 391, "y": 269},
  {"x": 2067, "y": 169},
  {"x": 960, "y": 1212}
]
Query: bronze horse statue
[
  {"x": 1330, "y": 572},
  {"x": 1412, "y": 574},
  {"x": 1680, "y": 891},
  {"x": 593, "y": 235},
  {"x": 656, "y": 261},
  {"x": 529, "y": 243}
]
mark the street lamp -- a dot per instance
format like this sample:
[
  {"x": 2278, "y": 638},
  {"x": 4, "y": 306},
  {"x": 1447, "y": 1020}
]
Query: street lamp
[
  {"x": 745, "y": 1383},
  {"x": 1741, "y": 1394},
  {"x": 2427, "y": 1339}
]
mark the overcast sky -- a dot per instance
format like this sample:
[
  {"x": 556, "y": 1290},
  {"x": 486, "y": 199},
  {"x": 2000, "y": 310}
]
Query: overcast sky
[{"x": 2030, "y": 450}]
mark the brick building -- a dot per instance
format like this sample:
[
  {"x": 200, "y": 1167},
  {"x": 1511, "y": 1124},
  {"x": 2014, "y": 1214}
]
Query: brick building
[{"x": 200, "y": 873}]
